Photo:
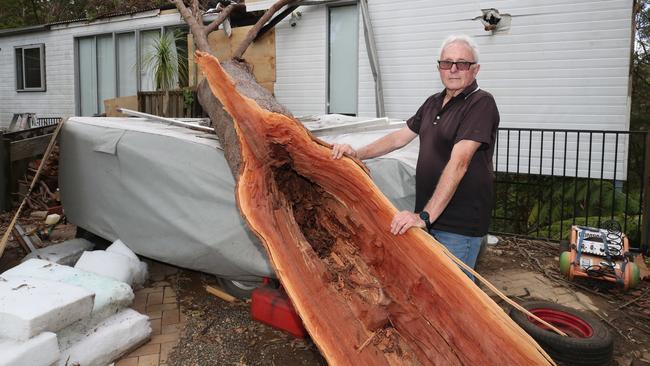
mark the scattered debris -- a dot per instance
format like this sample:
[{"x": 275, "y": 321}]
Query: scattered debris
[
  {"x": 220, "y": 294},
  {"x": 37, "y": 173}
]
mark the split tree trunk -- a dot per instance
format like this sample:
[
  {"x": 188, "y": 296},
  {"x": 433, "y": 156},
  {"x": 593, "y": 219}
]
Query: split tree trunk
[
  {"x": 367, "y": 297},
  {"x": 238, "y": 70}
]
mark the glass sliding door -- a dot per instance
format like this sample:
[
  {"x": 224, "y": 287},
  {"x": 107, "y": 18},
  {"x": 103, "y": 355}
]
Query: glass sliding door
[
  {"x": 147, "y": 41},
  {"x": 105, "y": 69},
  {"x": 343, "y": 37},
  {"x": 108, "y": 66},
  {"x": 127, "y": 69},
  {"x": 87, "y": 76}
]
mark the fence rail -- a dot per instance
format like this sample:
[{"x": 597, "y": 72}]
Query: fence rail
[
  {"x": 179, "y": 104},
  {"x": 548, "y": 180}
]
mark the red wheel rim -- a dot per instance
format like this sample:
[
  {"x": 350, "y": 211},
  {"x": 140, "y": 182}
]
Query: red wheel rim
[{"x": 570, "y": 324}]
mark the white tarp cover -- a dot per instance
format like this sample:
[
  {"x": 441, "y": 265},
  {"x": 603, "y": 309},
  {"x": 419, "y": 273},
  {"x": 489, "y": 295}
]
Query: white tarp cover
[{"x": 168, "y": 192}]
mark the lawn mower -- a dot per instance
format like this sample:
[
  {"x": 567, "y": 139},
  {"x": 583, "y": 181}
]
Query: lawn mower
[{"x": 599, "y": 253}]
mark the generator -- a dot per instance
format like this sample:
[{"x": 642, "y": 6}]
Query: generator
[{"x": 599, "y": 253}]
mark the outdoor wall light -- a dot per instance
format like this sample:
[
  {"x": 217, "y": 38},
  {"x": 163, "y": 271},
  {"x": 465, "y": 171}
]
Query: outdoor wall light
[
  {"x": 493, "y": 21},
  {"x": 295, "y": 17}
]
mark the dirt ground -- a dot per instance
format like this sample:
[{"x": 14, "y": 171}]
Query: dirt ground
[
  {"x": 222, "y": 333},
  {"x": 627, "y": 314}
]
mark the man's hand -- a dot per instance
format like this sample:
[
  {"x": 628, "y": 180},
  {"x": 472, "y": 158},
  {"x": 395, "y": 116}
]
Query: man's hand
[
  {"x": 339, "y": 149},
  {"x": 405, "y": 220}
]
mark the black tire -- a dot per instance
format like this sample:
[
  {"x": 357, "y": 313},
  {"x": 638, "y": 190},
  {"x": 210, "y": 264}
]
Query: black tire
[
  {"x": 564, "y": 246},
  {"x": 239, "y": 289},
  {"x": 593, "y": 350}
]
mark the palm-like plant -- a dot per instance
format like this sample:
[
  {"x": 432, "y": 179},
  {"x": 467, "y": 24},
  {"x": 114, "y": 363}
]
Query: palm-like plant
[{"x": 164, "y": 60}]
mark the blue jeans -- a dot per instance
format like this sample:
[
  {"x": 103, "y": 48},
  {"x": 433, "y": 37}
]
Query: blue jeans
[{"x": 465, "y": 248}]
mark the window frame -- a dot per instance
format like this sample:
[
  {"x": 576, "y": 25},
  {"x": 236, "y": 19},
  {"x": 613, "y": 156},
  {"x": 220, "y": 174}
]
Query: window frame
[
  {"x": 41, "y": 48},
  {"x": 138, "y": 62}
]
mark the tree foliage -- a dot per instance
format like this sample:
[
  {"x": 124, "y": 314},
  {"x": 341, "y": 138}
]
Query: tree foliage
[
  {"x": 23, "y": 13},
  {"x": 640, "y": 114}
]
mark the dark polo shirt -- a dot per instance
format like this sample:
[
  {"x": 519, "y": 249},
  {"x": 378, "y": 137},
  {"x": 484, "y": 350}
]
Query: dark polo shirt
[{"x": 471, "y": 115}]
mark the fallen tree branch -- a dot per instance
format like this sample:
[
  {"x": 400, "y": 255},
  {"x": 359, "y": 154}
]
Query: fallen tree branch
[
  {"x": 223, "y": 15},
  {"x": 635, "y": 299},
  {"x": 252, "y": 33}
]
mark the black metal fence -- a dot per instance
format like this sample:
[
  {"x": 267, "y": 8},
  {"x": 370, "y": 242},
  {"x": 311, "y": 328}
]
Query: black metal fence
[{"x": 548, "y": 180}]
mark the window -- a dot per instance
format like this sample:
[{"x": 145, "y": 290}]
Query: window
[
  {"x": 30, "y": 68},
  {"x": 343, "y": 64},
  {"x": 110, "y": 65}
]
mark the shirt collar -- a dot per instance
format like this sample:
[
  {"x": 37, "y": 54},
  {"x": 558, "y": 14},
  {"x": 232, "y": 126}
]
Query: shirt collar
[{"x": 465, "y": 92}]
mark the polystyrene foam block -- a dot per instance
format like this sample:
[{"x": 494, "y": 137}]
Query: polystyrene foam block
[
  {"x": 113, "y": 265},
  {"x": 42, "y": 350},
  {"x": 110, "y": 295},
  {"x": 29, "y": 306},
  {"x": 119, "y": 247},
  {"x": 108, "y": 340},
  {"x": 66, "y": 253}
]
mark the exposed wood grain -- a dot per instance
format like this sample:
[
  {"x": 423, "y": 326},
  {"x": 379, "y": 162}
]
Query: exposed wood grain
[{"x": 325, "y": 227}]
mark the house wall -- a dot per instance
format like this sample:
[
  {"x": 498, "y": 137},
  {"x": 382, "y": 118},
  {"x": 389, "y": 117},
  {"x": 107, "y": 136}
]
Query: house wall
[
  {"x": 563, "y": 64},
  {"x": 59, "y": 98}
]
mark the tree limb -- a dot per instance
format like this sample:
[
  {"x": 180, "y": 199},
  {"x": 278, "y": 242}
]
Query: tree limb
[
  {"x": 256, "y": 28},
  {"x": 197, "y": 29},
  {"x": 223, "y": 15},
  {"x": 195, "y": 10}
]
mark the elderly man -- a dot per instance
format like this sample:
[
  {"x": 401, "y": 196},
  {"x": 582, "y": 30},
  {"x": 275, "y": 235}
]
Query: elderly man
[{"x": 454, "y": 174}]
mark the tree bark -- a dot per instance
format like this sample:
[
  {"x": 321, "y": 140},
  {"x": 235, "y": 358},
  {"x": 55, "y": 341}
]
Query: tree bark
[
  {"x": 238, "y": 70},
  {"x": 252, "y": 33},
  {"x": 366, "y": 296}
]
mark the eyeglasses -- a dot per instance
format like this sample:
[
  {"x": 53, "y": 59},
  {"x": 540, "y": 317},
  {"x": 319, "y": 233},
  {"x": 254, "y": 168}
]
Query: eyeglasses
[{"x": 460, "y": 65}]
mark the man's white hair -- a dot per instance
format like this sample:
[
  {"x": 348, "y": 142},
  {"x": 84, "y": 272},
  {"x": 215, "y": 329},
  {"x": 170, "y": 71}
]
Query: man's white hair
[{"x": 460, "y": 38}]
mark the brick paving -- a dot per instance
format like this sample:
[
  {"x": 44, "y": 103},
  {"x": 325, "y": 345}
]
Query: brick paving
[
  {"x": 159, "y": 302},
  {"x": 527, "y": 284}
]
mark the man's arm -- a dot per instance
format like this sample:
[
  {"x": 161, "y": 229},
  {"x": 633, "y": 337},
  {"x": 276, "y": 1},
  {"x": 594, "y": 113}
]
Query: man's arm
[
  {"x": 461, "y": 156},
  {"x": 382, "y": 146}
]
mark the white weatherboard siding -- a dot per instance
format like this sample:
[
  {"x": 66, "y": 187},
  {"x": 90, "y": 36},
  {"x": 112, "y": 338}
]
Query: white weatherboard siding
[
  {"x": 59, "y": 98},
  {"x": 301, "y": 62},
  {"x": 563, "y": 64}
]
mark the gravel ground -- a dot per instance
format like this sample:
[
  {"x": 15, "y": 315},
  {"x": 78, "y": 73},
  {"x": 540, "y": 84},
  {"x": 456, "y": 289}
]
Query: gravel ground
[{"x": 222, "y": 333}]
